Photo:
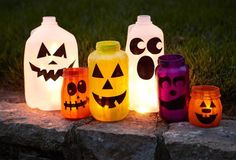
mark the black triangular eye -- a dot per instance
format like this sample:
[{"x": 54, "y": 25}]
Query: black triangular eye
[
  {"x": 96, "y": 72},
  {"x": 61, "y": 51},
  {"x": 212, "y": 105},
  {"x": 43, "y": 51},
  {"x": 117, "y": 72},
  {"x": 203, "y": 104}
]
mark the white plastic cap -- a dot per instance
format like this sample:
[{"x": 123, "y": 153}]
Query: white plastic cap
[
  {"x": 143, "y": 19},
  {"x": 49, "y": 20}
]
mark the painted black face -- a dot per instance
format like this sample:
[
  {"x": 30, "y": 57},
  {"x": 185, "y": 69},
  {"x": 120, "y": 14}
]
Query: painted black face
[
  {"x": 208, "y": 118},
  {"x": 71, "y": 90},
  {"x": 109, "y": 101},
  {"x": 43, "y": 52},
  {"x": 180, "y": 101},
  {"x": 145, "y": 67}
]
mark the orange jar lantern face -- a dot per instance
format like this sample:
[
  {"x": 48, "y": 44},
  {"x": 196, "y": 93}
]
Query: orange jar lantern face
[
  {"x": 205, "y": 109},
  {"x": 74, "y": 96}
]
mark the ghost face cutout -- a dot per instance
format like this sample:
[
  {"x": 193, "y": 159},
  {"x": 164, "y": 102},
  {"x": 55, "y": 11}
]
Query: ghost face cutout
[
  {"x": 43, "y": 53},
  {"x": 75, "y": 95},
  {"x": 145, "y": 64},
  {"x": 108, "y": 90},
  {"x": 205, "y": 113}
]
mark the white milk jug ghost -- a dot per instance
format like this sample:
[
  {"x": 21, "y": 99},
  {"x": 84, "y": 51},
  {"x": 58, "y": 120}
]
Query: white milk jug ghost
[
  {"x": 145, "y": 43},
  {"x": 48, "y": 50}
]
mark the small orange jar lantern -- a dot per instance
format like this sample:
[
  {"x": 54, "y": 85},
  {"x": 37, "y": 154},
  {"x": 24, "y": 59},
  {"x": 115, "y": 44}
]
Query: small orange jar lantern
[
  {"x": 205, "y": 109},
  {"x": 74, "y": 93}
]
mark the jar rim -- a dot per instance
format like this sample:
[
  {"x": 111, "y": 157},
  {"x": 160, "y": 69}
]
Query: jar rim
[
  {"x": 70, "y": 72},
  {"x": 207, "y": 91}
]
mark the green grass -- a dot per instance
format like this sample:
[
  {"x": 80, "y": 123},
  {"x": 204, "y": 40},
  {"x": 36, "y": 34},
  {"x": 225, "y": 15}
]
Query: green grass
[{"x": 204, "y": 31}]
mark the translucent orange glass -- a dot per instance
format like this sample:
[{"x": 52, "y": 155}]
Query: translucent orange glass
[
  {"x": 205, "y": 109},
  {"x": 74, "y": 93}
]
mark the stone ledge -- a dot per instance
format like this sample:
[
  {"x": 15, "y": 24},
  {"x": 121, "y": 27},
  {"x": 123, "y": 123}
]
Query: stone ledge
[{"x": 33, "y": 134}]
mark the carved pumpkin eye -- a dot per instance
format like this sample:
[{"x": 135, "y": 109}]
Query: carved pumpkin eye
[
  {"x": 212, "y": 105},
  {"x": 203, "y": 104},
  {"x": 152, "y": 45},
  {"x": 61, "y": 51},
  {"x": 81, "y": 86},
  {"x": 96, "y": 72},
  {"x": 43, "y": 51},
  {"x": 117, "y": 72},
  {"x": 134, "y": 46},
  {"x": 71, "y": 88}
]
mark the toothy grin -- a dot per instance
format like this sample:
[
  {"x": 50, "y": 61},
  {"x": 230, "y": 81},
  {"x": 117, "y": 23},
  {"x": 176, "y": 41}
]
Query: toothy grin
[
  {"x": 49, "y": 74},
  {"x": 109, "y": 101},
  {"x": 177, "y": 103},
  {"x": 75, "y": 104},
  {"x": 206, "y": 120}
]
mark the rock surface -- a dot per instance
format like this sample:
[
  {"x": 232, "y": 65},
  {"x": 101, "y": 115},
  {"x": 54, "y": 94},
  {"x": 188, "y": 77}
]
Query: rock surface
[
  {"x": 134, "y": 138},
  {"x": 27, "y": 133},
  {"x": 184, "y": 140}
]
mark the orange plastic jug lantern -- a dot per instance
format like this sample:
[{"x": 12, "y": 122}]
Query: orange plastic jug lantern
[
  {"x": 205, "y": 109},
  {"x": 48, "y": 50},
  {"x": 74, "y": 94},
  {"x": 108, "y": 79}
]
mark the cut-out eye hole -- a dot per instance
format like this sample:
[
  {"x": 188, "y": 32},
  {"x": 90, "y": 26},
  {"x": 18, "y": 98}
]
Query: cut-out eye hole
[
  {"x": 117, "y": 72},
  {"x": 61, "y": 51},
  {"x": 152, "y": 45},
  {"x": 71, "y": 88},
  {"x": 96, "y": 72},
  {"x": 203, "y": 104},
  {"x": 212, "y": 105},
  {"x": 81, "y": 86},
  {"x": 134, "y": 46},
  {"x": 43, "y": 51}
]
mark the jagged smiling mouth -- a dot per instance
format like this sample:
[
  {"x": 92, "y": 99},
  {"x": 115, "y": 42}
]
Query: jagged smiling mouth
[
  {"x": 76, "y": 104},
  {"x": 49, "y": 74},
  {"x": 177, "y": 103},
  {"x": 109, "y": 101},
  {"x": 206, "y": 120}
]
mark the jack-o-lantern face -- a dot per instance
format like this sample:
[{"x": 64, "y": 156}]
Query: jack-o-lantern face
[
  {"x": 75, "y": 93},
  {"x": 205, "y": 113},
  {"x": 173, "y": 91},
  {"x": 110, "y": 101},
  {"x": 43, "y": 54},
  {"x": 205, "y": 109}
]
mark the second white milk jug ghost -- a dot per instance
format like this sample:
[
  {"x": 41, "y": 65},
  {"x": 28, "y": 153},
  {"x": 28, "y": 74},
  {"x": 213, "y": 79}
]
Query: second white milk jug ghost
[
  {"x": 48, "y": 50},
  {"x": 145, "y": 43}
]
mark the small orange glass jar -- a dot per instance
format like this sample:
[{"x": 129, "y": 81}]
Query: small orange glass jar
[
  {"x": 74, "y": 93},
  {"x": 205, "y": 109}
]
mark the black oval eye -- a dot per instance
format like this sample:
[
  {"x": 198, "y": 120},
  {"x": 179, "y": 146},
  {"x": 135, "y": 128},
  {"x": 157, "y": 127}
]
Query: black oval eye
[
  {"x": 71, "y": 88},
  {"x": 152, "y": 45},
  {"x": 43, "y": 51},
  {"x": 134, "y": 46},
  {"x": 81, "y": 86}
]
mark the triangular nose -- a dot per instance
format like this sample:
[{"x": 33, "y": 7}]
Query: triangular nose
[
  {"x": 52, "y": 62},
  {"x": 107, "y": 85}
]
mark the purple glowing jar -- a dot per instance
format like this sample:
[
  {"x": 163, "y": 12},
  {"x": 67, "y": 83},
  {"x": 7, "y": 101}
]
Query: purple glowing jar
[{"x": 173, "y": 81}]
